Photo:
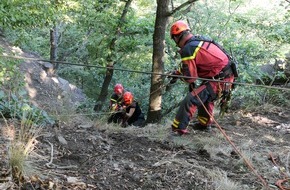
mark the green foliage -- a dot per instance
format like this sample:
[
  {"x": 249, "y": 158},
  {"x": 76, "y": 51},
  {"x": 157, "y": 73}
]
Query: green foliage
[
  {"x": 14, "y": 102},
  {"x": 87, "y": 39},
  {"x": 276, "y": 97},
  {"x": 251, "y": 97},
  {"x": 25, "y": 39},
  {"x": 93, "y": 46},
  {"x": 89, "y": 33},
  {"x": 254, "y": 33},
  {"x": 9, "y": 73},
  {"x": 36, "y": 13},
  {"x": 24, "y": 13}
]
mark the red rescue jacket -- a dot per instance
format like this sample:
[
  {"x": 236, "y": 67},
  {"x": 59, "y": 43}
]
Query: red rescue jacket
[{"x": 201, "y": 59}]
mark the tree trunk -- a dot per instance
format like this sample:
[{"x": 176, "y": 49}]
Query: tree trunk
[
  {"x": 53, "y": 50},
  {"x": 162, "y": 15},
  {"x": 154, "y": 111},
  {"x": 109, "y": 73},
  {"x": 104, "y": 91}
]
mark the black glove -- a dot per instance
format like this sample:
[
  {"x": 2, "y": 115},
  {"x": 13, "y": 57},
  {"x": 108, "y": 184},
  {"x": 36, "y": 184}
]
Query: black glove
[{"x": 173, "y": 78}]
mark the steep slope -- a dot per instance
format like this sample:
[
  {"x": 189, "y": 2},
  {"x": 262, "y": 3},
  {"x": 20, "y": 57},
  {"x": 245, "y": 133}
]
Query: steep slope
[{"x": 83, "y": 154}]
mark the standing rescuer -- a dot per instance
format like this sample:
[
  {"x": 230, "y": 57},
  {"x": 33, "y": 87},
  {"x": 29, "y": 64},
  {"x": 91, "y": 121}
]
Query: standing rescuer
[{"x": 200, "y": 58}]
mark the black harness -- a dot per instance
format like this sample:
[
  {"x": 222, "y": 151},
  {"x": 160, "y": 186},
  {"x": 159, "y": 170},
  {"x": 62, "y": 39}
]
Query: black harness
[{"x": 226, "y": 72}]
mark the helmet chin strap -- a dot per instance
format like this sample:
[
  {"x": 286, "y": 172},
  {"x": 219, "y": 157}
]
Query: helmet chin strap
[{"x": 181, "y": 36}]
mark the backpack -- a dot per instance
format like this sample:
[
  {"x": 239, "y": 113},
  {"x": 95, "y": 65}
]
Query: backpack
[
  {"x": 226, "y": 94},
  {"x": 233, "y": 61}
]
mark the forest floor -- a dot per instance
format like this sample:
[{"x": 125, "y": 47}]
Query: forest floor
[{"x": 84, "y": 153}]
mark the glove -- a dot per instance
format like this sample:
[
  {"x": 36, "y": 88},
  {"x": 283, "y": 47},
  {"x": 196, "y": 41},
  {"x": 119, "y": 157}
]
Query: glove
[
  {"x": 114, "y": 107},
  {"x": 173, "y": 78},
  {"x": 122, "y": 110}
]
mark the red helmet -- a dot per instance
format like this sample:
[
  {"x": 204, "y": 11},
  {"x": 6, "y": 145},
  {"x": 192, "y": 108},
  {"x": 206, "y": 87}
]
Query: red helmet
[
  {"x": 128, "y": 98},
  {"x": 178, "y": 27},
  {"x": 119, "y": 89}
]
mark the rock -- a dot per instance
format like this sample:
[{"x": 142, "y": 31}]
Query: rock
[
  {"x": 85, "y": 126},
  {"x": 72, "y": 179},
  {"x": 129, "y": 166},
  {"x": 7, "y": 185},
  {"x": 62, "y": 140},
  {"x": 271, "y": 71}
]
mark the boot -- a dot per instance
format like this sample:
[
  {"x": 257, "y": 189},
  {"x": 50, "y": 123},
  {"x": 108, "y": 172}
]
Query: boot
[
  {"x": 179, "y": 132},
  {"x": 200, "y": 127}
]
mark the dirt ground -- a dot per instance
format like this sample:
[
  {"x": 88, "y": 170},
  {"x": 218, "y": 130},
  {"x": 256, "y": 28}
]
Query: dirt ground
[
  {"x": 109, "y": 157},
  {"x": 83, "y": 153}
]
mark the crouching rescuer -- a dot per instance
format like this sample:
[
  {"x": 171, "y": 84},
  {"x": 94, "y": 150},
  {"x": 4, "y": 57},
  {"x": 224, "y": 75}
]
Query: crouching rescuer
[
  {"x": 116, "y": 104},
  {"x": 200, "y": 58},
  {"x": 133, "y": 114}
]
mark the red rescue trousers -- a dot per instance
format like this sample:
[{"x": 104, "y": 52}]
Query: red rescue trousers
[{"x": 207, "y": 93}]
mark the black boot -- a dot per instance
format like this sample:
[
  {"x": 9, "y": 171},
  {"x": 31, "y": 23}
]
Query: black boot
[{"x": 200, "y": 127}]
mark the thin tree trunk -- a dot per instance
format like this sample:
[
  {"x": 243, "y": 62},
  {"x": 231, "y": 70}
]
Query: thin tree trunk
[
  {"x": 154, "y": 111},
  {"x": 104, "y": 91},
  {"x": 109, "y": 73},
  {"x": 53, "y": 50},
  {"x": 162, "y": 15}
]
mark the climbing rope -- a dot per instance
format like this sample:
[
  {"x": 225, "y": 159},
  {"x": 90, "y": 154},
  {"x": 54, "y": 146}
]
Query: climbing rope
[
  {"x": 145, "y": 72},
  {"x": 247, "y": 162},
  {"x": 286, "y": 178}
]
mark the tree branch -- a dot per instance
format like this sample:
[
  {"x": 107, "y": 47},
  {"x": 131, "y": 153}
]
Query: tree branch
[
  {"x": 174, "y": 10},
  {"x": 229, "y": 17},
  {"x": 120, "y": 23}
]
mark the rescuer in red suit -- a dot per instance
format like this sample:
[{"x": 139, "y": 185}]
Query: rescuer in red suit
[{"x": 200, "y": 58}]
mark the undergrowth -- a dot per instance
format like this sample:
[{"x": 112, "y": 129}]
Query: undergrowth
[
  {"x": 22, "y": 135},
  {"x": 249, "y": 98}
]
